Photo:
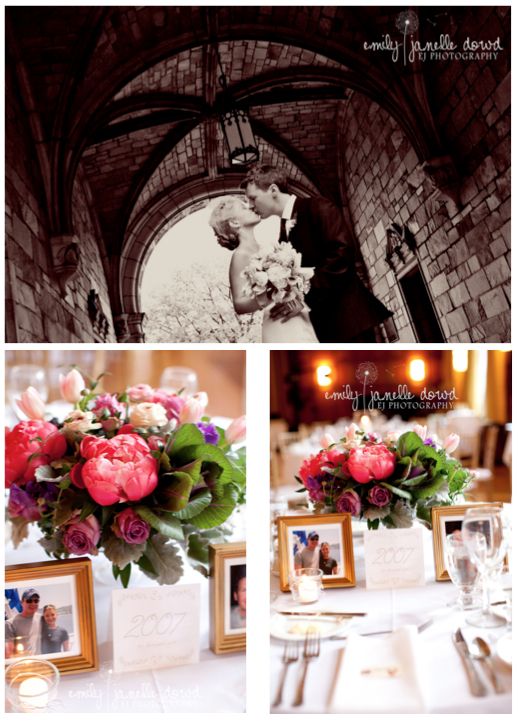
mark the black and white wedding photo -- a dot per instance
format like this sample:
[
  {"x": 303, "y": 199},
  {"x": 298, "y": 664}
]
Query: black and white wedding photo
[{"x": 249, "y": 173}]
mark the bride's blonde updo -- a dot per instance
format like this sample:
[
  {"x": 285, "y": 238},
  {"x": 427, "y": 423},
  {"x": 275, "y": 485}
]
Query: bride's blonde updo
[{"x": 219, "y": 221}]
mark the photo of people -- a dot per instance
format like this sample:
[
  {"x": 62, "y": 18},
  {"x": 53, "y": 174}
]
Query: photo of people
[
  {"x": 238, "y": 596},
  {"x": 317, "y": 548},
  {"x": 40, "y": 620}
]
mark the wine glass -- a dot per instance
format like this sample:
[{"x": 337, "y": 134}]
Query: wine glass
[
  {"x": 176, "y": 378},
  {"x": 483, "y": 535},
  {"x": 463, "y": 572}
]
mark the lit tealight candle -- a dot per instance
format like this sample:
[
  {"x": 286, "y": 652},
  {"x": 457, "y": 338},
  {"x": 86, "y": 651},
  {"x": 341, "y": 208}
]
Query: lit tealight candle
[
  {"x": 308, "y": 589},
  {"x": 33, "y": 692},
  {"x": 366, "y": 424}
]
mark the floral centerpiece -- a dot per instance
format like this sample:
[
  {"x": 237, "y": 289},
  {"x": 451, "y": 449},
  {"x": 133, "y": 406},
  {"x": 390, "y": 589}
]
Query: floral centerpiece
[
  {"x": 388, "y": 480},
  {"x": 278, "y": 273},
  {"x": 131, "y": 475}
]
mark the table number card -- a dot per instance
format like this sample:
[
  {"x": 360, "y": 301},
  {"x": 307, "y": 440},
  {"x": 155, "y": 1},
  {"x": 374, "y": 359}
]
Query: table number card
[
  {"x": 156, "y": 627},
  {"x": 394, "y": 558}
]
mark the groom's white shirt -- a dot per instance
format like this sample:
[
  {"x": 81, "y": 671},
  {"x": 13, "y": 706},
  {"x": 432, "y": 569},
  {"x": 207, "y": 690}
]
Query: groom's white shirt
[{"x": 288, "y": 209}]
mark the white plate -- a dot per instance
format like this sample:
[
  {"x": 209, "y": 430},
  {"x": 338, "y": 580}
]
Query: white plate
[
  {"x": 294, "y": 628},
  {"x": 504, "y": 648}
]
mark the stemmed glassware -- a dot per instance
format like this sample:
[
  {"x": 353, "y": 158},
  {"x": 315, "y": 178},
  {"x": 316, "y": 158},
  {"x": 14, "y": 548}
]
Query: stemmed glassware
[
  {"x": 483, "y": 535},
  {"x": 175, "y": 378},
  {"x": 463, "y": 571}
]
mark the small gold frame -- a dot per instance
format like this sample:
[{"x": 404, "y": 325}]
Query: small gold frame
[
  {"x": 440, "y": 516},
  {"x": 221, "y": 639},
  {"x": 284, "y": 523},
  {"x": 81, "y": 569}
]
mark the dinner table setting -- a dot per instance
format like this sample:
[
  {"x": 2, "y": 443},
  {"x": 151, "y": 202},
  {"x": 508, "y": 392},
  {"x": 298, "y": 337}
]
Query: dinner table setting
[{"x": 404, "y": 650}]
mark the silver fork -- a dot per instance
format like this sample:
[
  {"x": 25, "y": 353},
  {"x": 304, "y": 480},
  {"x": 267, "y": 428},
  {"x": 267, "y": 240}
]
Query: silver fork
[
  {"x": 311, "y": 651},
  {"x": 290, "y": 655}
]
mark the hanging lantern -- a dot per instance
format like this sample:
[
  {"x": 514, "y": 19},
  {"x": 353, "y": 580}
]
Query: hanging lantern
[{"x": 239, "y": 137}]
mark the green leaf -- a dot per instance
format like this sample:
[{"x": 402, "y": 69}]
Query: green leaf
[
  {"x": 198, "y": 548},
  {"x": 195, "y": 506},
  {"x": 218, "y": 511},
  {"x": 87, "y": 510},
  {"x": 175, "y": 489},
  {"x": 415, "y": 481},
  {"x": 397, "y": 491},
  {"x": 188, "y": 434},
  {"x": 119, "y": 552},
  {"x": 409, "y": 443},
  {"x": 161, "y": 561},
  {"x": 432, "y": 488},
  {"x": 170, "y": 527},
  {"x": 125, "y": 575}
]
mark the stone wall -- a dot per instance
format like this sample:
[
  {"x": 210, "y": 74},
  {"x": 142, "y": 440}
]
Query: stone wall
[
  {"x": 36, "y": 308},
  {"x": 464, "y": 253}
]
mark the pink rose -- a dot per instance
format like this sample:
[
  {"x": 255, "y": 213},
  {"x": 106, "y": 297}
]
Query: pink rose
[
  {"x": 349, "y": 502},
  {"x": 141, "y": 393},
  {"x": 118, "y": 469},
  {"x": 371, "y": 463},
  {"x": 236, "y": 432},
  {"x": 129, "y": 526},
  {"x": 71, "y": 386},
  {"x": 82, "y": 537},
  {"x": 379, "y": 496},
  {"x": 26, "y": 439}
]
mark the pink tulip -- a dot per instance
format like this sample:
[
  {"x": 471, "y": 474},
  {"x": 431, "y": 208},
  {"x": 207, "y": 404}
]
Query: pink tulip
[
  {"x": 118, "y": 469},
  {"x": 420, "y": 430},
  {"x": 32, "y": 404},
  {"x": 71, "y": 386},
  {"x": 327, "y": 440},
  {"x": 192, "y": 411},
  {"x": 451, "y": 443},
  {"x": 236, "y": 432},
  {"x": 350, "y": 432},
  {"x": 370, "y": 463}
]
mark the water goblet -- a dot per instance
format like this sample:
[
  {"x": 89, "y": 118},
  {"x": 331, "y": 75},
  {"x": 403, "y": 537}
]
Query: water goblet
[
  {"x": 463, "y": 571},
  {"x": 482, "y": 533},
  {"x": 176, "y": 378}
]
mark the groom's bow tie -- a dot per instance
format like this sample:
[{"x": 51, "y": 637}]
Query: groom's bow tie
[{"x": 283, "y": 236}]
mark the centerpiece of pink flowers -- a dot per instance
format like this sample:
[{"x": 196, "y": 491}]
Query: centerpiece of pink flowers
[
  {"x": 130, "y": 474},
  {"x": 388, "y": 481}
]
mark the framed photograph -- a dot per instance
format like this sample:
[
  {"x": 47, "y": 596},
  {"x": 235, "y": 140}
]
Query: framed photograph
[
  {"x": 322, "y": 541},
  {"x": 227, "y": 597},
  {"x": 446, "y": 520},
  {"x": 49, "y": 613}
]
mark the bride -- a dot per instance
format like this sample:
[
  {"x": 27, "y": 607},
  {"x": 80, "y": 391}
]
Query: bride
[{"x": 233, "y": 223}]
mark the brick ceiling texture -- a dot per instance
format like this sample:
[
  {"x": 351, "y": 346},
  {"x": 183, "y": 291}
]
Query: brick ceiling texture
[{"x": 132, "y": 93}]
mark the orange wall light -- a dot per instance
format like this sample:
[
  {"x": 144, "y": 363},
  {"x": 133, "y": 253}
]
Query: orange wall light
[
  {"x": 417, "y": 369},
  {"x": 323, "y": 375}
]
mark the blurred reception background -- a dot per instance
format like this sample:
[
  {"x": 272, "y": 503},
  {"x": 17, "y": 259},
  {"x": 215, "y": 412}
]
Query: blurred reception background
[
  {"x": 220, "y": 373},
  {"x": 313, "y": 392}
]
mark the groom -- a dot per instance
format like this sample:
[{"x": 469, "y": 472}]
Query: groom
[{"x": 342, "y": 309}]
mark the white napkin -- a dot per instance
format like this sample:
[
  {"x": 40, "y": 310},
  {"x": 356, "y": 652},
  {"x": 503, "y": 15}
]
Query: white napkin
[{"x": 391, "y": 681}]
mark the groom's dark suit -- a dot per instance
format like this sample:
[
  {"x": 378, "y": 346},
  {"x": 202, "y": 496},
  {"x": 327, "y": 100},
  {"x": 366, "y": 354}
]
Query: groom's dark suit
[{"x": 341, "y": 306}]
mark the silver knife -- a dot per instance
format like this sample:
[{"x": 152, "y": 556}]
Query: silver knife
[
  {"x": 475, "y": 683},
  {"x": 322, "y": 613}
]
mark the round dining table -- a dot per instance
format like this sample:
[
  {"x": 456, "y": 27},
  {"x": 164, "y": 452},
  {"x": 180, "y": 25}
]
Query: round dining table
[{"x": 445, "y": 684}]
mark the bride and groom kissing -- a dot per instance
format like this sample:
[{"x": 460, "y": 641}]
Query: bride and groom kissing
[{"x": 338, "y": 307}]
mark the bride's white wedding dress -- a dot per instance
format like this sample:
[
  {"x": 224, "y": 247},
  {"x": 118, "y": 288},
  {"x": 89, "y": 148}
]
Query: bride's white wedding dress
[{"x": 295, "y": 330}]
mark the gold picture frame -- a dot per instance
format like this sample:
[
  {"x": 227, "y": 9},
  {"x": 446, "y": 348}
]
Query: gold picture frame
[
  {"x": 226, "y": 591},
  {"x": 337, "y": 528},
  {"x": 66, "y": 585},
  {"x": 452, "y": 515}
]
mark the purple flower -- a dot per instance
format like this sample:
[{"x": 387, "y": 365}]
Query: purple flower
[
  {"x": 430, "y": 442},
  {"x": 210, "y": 433},
  {"x": 378, "y": 496},
  {"x": 314, "y": 488},
  {"x": 22, "y": 505},
  {"x": 349, "y": 502},
  {"x": 129, "y": 526}
]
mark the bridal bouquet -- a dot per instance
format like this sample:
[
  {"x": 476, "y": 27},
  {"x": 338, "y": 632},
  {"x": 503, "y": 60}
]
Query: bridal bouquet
[
  {"x": 388, "y": 481},
  {"x": 278, "y": 273},
  {"x": 130, "y": 474}
]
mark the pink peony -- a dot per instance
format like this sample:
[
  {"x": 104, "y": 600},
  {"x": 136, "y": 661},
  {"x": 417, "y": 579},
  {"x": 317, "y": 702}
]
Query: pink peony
[
  {"x": 82, "y": 537},
  {"x": 76, "y": 476},
  {"x": 28, "y": 438},
  {"x": 349, "y": 502},
  {"x": 118, "y": 469},
  {"x": 379, "y": 496},
  {"x": 129, "y": 526},
  {"x": 371, "y": 463}
]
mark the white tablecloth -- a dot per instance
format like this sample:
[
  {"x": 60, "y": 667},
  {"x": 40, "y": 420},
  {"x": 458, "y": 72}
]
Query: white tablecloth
[
  {"x": 215, "y": 684},
  {"x": 447, "y": 689}
]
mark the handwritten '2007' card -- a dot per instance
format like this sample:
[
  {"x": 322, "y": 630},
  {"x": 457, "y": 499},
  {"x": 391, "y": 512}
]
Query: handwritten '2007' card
[
  {"x": 156, "y": 627},
  {"x": 394, "y": 558}
]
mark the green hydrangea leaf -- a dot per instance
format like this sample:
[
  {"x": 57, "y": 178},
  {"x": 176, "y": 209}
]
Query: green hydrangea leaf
[{"x": 169, "y": 527}]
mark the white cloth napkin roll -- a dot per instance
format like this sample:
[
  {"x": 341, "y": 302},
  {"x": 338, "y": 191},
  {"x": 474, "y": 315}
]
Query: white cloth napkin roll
[{"x": 391, "y": 681}]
